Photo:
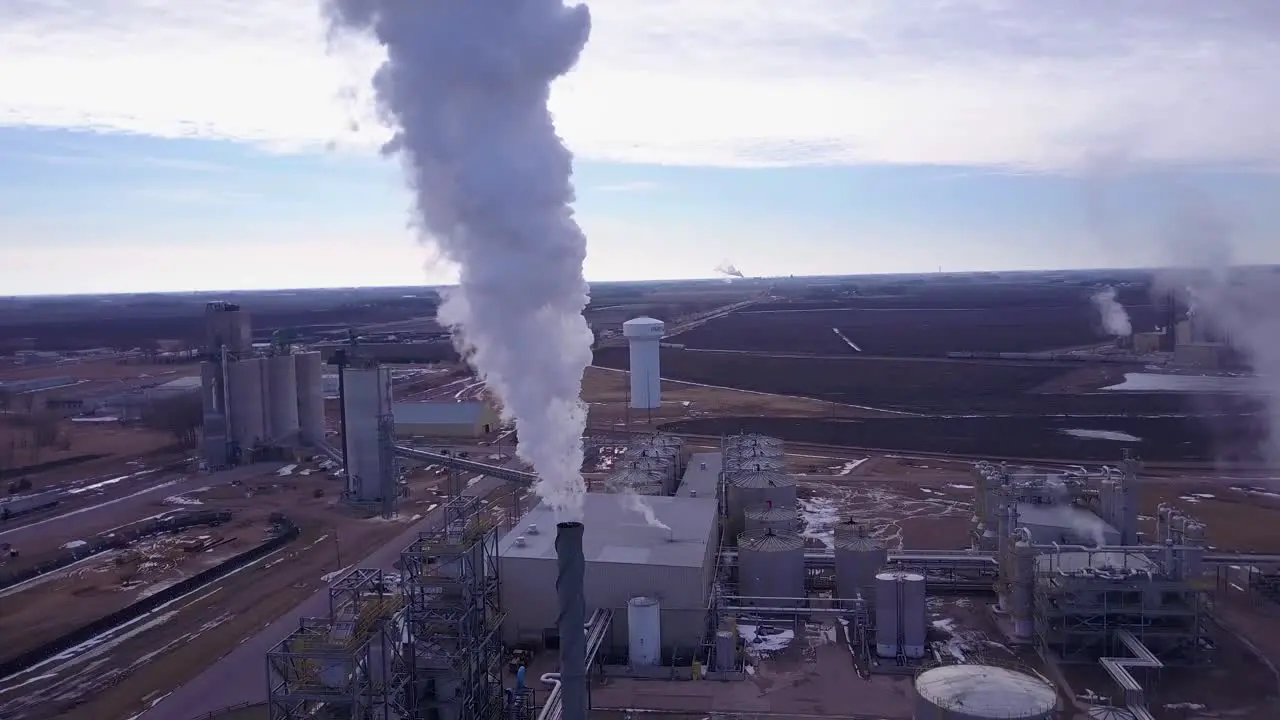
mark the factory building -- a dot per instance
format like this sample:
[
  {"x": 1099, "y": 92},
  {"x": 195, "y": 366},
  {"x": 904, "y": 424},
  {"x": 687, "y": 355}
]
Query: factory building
[
  {"x": 644, "y": 334},
  {"x": 173, "y": 388},
  {"x": 626, "y": 558},
  {"x": 471, "y": 419},
  {"x": 369, "y": 432}
]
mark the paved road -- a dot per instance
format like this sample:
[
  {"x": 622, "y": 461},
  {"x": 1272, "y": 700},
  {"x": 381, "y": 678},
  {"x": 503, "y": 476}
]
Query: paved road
[{"x": 240, "y": 676}]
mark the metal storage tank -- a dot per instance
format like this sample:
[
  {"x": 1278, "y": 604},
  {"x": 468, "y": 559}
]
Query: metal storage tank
[
  {"x": 248, "y": 404},
  {"x": 745, "y": 452},
  {"x": 887, "y": 622},
  {"x": 1108, "y": 712},
  {"x": 982, "y": 692},
  {"x": 309, "y": 370},
  {"x": 643, "y": 334},
  {"x": 642, "y": 482},
  {"x": 644, "y": 631},
  {"x": 283, "y": 388},
  {"x": 738, "y": 464},
  {"x": 914, "y": 615},
  {"x": 770, "y": 565},
  {"x": 859, "y": 558},
  {"x": 771, "y": 517},
  {"x": 726, "y": 651},
  {"x": 900, "y": 614},
  {"x": 757, "y": 487}
]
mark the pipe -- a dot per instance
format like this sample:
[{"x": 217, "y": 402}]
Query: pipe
[{"x": 570, "y": 570}]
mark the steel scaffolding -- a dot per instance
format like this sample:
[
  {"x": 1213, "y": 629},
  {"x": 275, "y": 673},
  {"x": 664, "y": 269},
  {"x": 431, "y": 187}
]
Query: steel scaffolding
[
  {"x": 1079, "y": 610},
  {"x": 449, "y": 584},
  {"x": 348, "y": 665}
]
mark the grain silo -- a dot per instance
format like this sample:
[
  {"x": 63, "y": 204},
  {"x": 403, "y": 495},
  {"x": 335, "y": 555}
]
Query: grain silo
[
  {"x": 746, "y": 453},
  {"x": 637, "y": 480},
  {"x": 282, "y": 386},
  {"x": 308, "y": 368},
  {"x": 248, "y": 404},
  {"x": 982, "y": 692},
  {"x": 859, "y": 558},
  {"x": 771, "y": 517},
  {"x": 900, "y": 614},
  {"x": 1109, "y": 712},
  {"x": 734, "y": 464},
  {"x": 771, "y": 565},
  {"x": 757, "y": 487},
  {"x": 660, "y": 467},
  {"x": 752, "y": 440}
]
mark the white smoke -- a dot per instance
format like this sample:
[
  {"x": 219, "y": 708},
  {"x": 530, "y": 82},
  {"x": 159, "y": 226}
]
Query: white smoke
[
  {"x": 727, "y": 268},
  {"x": 634, "y": 502},
  {"x": 465, "y": 88},
  {"x": 1083, "y": 524},
  {"x": 1114, "y": 318}
]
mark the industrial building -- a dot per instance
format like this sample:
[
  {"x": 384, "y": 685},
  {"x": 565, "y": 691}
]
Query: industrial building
[
  {"x": 368, "y": 432},
  {"x": 644, "y": 335},
  {"x": 626, "y": 558},
  {"x": 470, "y": 419},
  {"x": 702, "y": 476}
]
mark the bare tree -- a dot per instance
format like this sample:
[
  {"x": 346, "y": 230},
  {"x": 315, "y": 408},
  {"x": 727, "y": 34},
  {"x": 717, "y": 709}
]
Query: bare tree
[{"x": 182, "y": 415}]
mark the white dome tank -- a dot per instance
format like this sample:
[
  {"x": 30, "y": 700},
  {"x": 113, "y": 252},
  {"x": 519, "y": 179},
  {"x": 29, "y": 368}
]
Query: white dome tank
[
  {"x": 771, "y": 517},
  {"x": 859, "y": 558},
  {"x": 757, "y": 487},
  {"x": 770, "y": 565},
  {"x": 982, "y": 692}
]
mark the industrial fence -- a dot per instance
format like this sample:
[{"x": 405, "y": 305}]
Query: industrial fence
[
  {"x": 115, "y": 540},
  {"x": 287, "y": 532}
]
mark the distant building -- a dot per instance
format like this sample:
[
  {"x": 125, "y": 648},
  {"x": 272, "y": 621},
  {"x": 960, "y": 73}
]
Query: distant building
[{"x": 471, "y": 419}]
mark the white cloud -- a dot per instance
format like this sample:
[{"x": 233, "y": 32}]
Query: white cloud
[{"x": 1014, "y": 84}]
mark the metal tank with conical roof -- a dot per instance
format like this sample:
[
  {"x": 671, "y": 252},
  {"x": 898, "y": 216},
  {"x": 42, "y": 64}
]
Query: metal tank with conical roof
[
  {"x": 752, "y": 451},
  {"x": 736, "y": 463},
  {"x": 859, "y": 557},
  {"x": 756, "y": 487},
  {"x": 771, "y": 517},
  {"x": 640, "y": 481},
  {"x": 661, "y": 468},
  {"x": 753, "y": 440},
  {"x": 771, "y": 565}
]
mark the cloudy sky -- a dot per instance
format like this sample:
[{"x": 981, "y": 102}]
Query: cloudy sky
[{"x": 224, "y": 144}]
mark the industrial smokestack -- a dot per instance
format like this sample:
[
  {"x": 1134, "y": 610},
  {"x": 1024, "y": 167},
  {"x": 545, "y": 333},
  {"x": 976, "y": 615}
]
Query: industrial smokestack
[{"x": 570, "y": 568}]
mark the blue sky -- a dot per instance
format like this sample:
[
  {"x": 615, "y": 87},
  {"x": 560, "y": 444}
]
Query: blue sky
[{"x": 788, "y": 162}]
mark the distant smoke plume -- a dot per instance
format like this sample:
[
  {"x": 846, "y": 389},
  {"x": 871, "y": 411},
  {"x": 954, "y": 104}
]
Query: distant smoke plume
[
  {"x": 465, "y": 88},
  {"x": 1114, "y": 318},
  {"x": 727, "y": 268}
]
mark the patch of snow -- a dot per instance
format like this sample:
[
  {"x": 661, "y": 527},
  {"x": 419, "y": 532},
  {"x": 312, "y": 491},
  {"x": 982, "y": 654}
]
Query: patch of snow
[
  {"x": 1152, "y": 382},
  {"x": 819, "y": 517},
  {"x": 330, "y": 577},
  {"x": 1100, "y": 435},
  {"x": 1184, "y": 706},
  {"x": 286, "y": 470},
  {"x": 1203, "y": 496},
  {"x": 74, "y": 544},
  {"x": 763, "y": 641},
  {"x": 850, "y": 466},
  {"x": 94, "y": 419},
  {"x": 959, "y": 486},
  {"x": 181, "y": 500}
]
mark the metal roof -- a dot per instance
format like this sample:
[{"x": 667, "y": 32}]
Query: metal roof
[
  {"x": 439, "y": 413},
  {"x": 699, "y": 480},
  {"x": 184, "y": 383},
  {"x": 769, "y": 540},
  {"x": 642, "y": 320},
  {"x": 985, "y": 691},
  {"x": 613, "y": 532},
  {"x": 760, "y": 479}
]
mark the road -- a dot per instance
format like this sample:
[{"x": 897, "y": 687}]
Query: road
[{"x": 240, "y": 676}]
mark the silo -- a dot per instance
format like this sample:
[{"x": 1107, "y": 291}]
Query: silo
[
  {"x": 752, "y": 440},
  {"x": 771, "y": 565},
  {"x": 859, "y": 558},
  {"x": 746, "y": 453},
  {"x": 641, "y": 482},
  {"x": 771, "y": 517},
  {"x": 283, "y": 387},
  {"x": 981, "y": 692},
  {"x": 1108, "y": 712},
  {"x": 739, "y": 464},
  {"x": 661, "y": 467},
  {"x": 887, "y": 599},
  {"x": 757, "y": 487},
  {"x": 914, "y": 615},
  {"x": 644, "y": 631},
  {"x": 308, "y": 368},
  {"x": 248, "y": 406}
]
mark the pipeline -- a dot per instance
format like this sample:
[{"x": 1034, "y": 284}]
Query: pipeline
[
  {"x": 515, "y": 476},
  {"x": 596, "y": 628},
  {"x": 1118, "y": 668}
]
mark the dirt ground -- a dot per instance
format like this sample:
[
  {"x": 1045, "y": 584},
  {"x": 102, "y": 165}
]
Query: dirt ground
[{"x": 115, "y": 445}]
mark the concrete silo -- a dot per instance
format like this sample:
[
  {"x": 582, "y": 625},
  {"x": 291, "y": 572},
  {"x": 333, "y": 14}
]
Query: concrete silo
[
  {"x": 249, "y": 421},
  {"x": 771, "y": 565},
  {"x": 308, "y": 368},
  {"x": 282, "y": 387}
]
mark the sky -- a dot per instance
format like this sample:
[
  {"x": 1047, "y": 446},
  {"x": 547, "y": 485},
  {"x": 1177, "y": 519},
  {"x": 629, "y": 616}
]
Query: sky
[{"x": 232, "y": 144}]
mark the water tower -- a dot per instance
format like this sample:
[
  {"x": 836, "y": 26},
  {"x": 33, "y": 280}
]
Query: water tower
[{"x": 644, "y": 334}]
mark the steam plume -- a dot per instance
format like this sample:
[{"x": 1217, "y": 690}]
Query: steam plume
[
  {"x": 635, "y": 503},
  {"x": 1114, "y": 318},
  {"x": 727, "y": 268},
  {"x": 465, "y": 88}
]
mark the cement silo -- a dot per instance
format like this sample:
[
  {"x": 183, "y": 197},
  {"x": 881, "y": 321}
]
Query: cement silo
[
  {"x": 309, "y": 369},
  {"x": 900, "y": 614},
  {"x": 981, "y": 692},
  {"x": 771, "y": 565},
  {"x": 859, "y": 558},
  {"x": 757, "y": 487},
  {"x": 249, "y": 421},
  {"x": 282, "y": 386},
  {"x": 771, "y": 517}
]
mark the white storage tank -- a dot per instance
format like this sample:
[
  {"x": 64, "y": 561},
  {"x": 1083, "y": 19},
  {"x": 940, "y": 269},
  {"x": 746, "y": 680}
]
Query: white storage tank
[
  {"x": 309, "y": 370},
  {"x": 981, "y": 692},
  {"x": 771, "y": 517},
  {"x": 900, "y": 614},
  {"x": 643, "y": 335},
  {"x": 248, "y": 404},
  {"x": 859, "y": 558},
  {"x": 283, "y": 388},
  {"x": 771, "y": 565},
  {"x": 644, "y": 631},
  {"x": 757, "y": 487}
]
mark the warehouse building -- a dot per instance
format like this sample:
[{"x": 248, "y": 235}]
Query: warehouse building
[
  {"x": 472, "y": 419},
  {"x": 626, "y": 558}
]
